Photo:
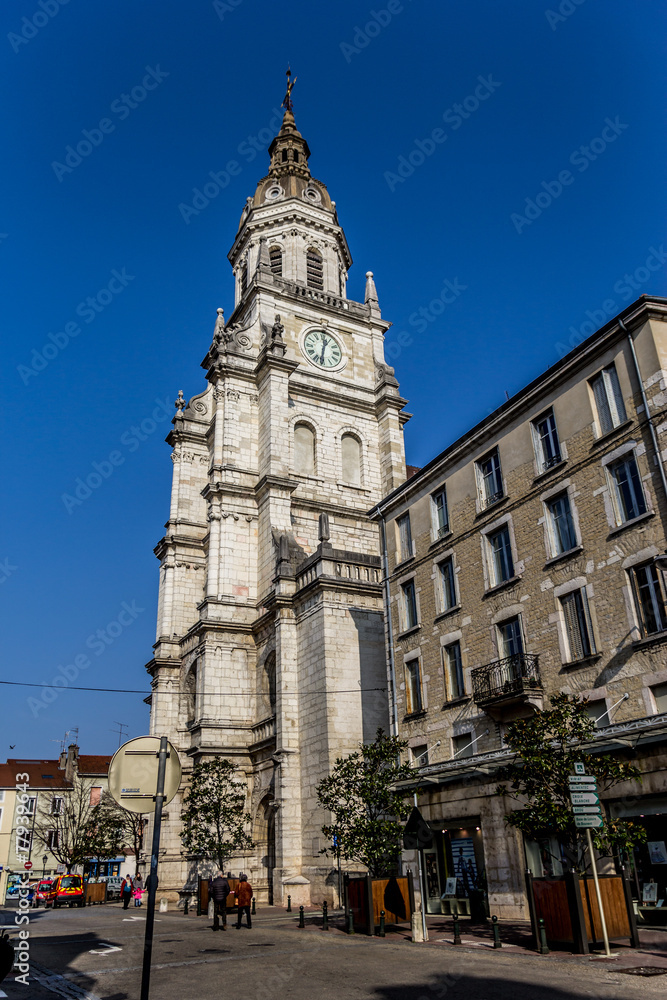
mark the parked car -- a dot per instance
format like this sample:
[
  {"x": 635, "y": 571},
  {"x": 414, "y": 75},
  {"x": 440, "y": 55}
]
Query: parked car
[
  {"x": 113, "y": 886},
  {"x": 68, "y": 890},
  {"x": 43, "y": 891}
]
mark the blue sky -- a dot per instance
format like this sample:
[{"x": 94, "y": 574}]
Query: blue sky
[{"x": 559, "y": 108}]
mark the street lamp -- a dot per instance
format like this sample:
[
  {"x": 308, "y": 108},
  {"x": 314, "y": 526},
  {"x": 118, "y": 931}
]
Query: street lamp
[{"x": 44, "y": 860}]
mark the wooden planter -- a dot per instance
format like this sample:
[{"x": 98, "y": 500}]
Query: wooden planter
[
  {"x": 366, "y": 896},
  {"x": 95, "y": 892},
  {"x": 568, "y": 906},
  {"x": 202, "y": 895}
]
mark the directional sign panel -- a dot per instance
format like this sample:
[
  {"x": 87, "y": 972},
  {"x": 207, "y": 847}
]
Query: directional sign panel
[
  {"x": 581, "y": 779},
  {"x": 587, "y": 810},
  {"x": 588, "y": 821},
  {"x": 584, "y": 799},
  {"x": 576, "y": 789}
]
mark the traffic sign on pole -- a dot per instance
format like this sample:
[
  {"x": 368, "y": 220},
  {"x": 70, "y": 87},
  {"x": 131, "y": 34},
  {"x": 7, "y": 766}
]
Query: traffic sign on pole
[
  {"x": 584, "y": 799},
  {"x": 583, "y": 822},
  {"x": 594, "y": 810},
  {"x": 581, "y": 779}
]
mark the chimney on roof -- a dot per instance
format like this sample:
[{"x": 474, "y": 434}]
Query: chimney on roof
[{"x": 71, "y": 764}]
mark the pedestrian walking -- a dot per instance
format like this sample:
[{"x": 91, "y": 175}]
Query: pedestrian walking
[
  {"x": 218, "y": 888},
  {"x": 243, "y": 899},
  {"x": 126, "y": 890}
]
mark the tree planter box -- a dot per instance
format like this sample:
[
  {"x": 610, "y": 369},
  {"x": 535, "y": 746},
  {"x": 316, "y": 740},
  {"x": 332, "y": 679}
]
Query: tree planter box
[
  {"x": 95, "y": 892},
  {"x": 202, "y": 895},
  {"x": 366, "y": 896},
  {"x": 568, "y": 906}
]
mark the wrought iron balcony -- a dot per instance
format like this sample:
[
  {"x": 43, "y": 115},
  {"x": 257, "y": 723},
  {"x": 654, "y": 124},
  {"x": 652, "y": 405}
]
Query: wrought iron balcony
[{"x": 506, "y": 679}]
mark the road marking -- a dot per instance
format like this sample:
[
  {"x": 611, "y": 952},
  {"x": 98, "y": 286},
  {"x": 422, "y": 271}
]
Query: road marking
[
  {"x": 58, "y": 984},
  {"x": 105, "y": 950}
]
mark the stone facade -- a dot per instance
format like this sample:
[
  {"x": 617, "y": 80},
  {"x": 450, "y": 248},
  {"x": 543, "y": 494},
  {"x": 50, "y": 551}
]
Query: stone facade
[
  {"x": 270, "y": 634},
  {"x": 532, "y": 563}
]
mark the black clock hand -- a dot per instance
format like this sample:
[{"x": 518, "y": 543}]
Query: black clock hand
[{"x": 324, "y": 347}]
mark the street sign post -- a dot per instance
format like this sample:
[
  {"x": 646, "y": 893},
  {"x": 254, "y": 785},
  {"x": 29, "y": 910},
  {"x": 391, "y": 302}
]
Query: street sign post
[
  {"x": 138, "y": 767},
  {"x": 588, "y": 815},
  {"x": 588, "y": 821},
  {"x": 584, "y": 799}
]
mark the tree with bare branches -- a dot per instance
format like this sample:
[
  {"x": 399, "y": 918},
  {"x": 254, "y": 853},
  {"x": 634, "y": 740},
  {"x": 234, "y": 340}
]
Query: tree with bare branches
[{"x": 75, "y": 825}]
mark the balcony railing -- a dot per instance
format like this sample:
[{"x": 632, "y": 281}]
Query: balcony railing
[{"x": 502, "y": 678}]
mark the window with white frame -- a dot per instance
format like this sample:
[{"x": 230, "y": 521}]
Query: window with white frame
[
  {"x": 453, "y": 667},
  {"x": 608, "y": 399},
  {"x": 501, "y": 563},
  {"x": 627, "y": 489},
  {"x": 649, "y": 595},
  {"x": 545, "y": 437},
  {"x": 578, "y": 625},
  {"x": 562, "y": 534},
  {"x": 659, "y": 692},
  {"x": 597, "y": 712},
  {"x": 404, "y": 537},
  {"x": 409, "y": 608},
  {"x": 440, "y": 512},
  {"x": 30, "y": 805},
  {"x": 52, "y": 839},
  {"x": 510, "y": 637},
  {"x": 413, "y": 687},
  {"x": 447, "y": 584},
  {"x": 490, "y": 479},
  {"x": 56, "y": 805}
]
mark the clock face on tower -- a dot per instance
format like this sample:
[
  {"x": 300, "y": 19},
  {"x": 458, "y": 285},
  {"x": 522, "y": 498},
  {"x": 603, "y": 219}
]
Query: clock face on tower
[{"x": 322, "y": 349}]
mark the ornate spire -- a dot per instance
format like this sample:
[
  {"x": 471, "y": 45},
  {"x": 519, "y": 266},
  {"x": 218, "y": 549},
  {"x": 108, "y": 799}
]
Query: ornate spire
[
  {"x": 371, "y": 296},
  {"x": 289, "y": 150}
]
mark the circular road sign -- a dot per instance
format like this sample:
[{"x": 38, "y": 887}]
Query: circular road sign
[{"x": 133, "y": 774}]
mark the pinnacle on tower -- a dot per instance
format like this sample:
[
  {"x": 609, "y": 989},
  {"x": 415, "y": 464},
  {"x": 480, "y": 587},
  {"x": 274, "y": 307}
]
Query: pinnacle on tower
[{"x": 289, "y": 150}]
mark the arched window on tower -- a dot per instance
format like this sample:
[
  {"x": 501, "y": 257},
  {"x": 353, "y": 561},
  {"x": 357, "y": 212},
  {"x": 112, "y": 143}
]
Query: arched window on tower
[
  {"x": 276, "y": 259},
  {"x": 244, "y": 279},
  {"x": 314, "y": 269},
  {"x": 304, "y": 450},
  {"x": 284, "y": 156},
  {"x": 296, "y": 156},
  {"x": 351, "y": 459}
]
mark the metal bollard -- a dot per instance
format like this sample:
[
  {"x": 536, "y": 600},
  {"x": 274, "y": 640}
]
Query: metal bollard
[
  {"x": 325, "y": 916},
  {"x": 542, "y": 946},
  {"x": 186, "y": 906},
  {"x": 457, "y": 929},
  {"x": 302, "y": 922},
  {"x": 253, "y": 907},
  {"x": 497, "y": 943},
  {"x": 289, "y": 904},
  {"x": 381, "y": 930},
  {"x": 350, "y": 922}
]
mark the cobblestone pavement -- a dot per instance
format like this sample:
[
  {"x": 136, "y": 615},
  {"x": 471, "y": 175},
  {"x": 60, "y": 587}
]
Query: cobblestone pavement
[{"x": 95, "y": 954}]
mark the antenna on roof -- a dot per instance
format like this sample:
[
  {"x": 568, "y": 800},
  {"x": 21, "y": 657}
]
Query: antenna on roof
[{"x": 121, "y": 727}]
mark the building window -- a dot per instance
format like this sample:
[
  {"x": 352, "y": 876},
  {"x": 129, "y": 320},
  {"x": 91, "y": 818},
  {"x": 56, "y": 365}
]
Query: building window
[
  {"x": 659, "y": 693},
  {"x": 413, "y": 687},
  {"x": 502, "y": 564},
  {"x": 454, "y": 684},
  {"x": 351, "y": 459},
  {"x": 440, "y": 513},
  {"x": 510, "y": 638},
  {"x": 404, "y": 537},
  {"x": 608, "y": 399},
  {"x": 547, "y": 444},
  {"x": 419, "y": 755},
  {"x": 304, "y": 450},
  {"x": 56, "y": 806},
  {"x": 448, "y": 584},
  {"x": 561, "y": 524},
  {"x": 649, "y": 598},
  {"x": 409, "y": 605},
  {"x": 314, "y": 269},
  {"x": 490, "y": 478},
  {"x": 29, "y": 806},
  {"x": 95, "y": 795},
  {"x": 276, "y": 260},
  {"x": 629, "y": 499},
  {"x": 52, "y": 839},
  {"x": 462, "y": 745},
  {"x": 597, "y": 712},
  {"x": 578, "y": 626},
  {"x": 244, "y": 279}
]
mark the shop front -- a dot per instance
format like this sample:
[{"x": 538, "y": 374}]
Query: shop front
[{"x": 454, "y": 869}]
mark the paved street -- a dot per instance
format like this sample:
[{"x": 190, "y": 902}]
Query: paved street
[{"x": 96, "y": 953}]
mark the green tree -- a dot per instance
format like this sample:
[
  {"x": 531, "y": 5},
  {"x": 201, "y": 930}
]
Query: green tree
[
  {"x": 365, "y": 807},
  {"x": 547, "y": 746},
  {"x": 214, "y": 823}
]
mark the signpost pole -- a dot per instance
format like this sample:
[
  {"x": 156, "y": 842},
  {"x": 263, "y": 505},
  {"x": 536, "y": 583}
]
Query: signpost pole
[
  {"x": 607, "y": 950},
  {"x": 152, "y": 878},
  {"x": 422, "y": 888}
]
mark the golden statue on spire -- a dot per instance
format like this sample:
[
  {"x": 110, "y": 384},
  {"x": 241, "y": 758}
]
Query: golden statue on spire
[{"x": 287, "y": 99}]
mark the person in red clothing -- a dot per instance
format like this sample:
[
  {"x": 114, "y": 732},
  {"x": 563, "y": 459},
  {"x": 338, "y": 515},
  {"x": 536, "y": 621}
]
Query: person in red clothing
[
  {"x": 243, "y": 899},
  {"x": 126, "y": 890}
]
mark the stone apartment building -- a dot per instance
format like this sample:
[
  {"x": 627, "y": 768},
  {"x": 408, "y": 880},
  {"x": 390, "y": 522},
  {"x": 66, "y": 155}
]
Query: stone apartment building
[
  {"x": 47, "y": 783},
  {"x": 270, "y": 634},
  {"x": 527, "y": 559}
]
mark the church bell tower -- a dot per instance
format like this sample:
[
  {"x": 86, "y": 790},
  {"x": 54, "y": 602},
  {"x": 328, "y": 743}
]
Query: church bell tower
[{"x": 270, "y": 636}]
